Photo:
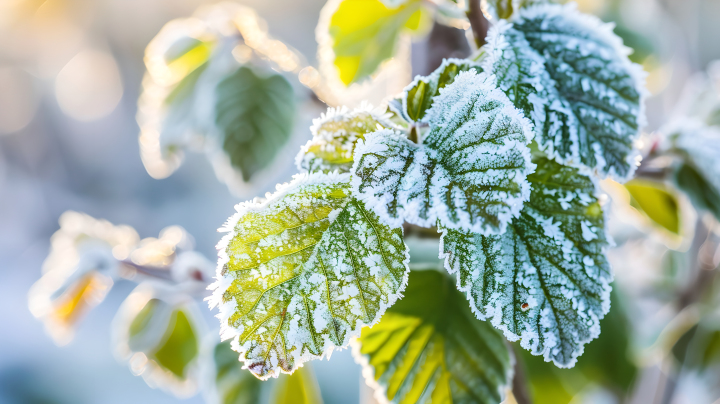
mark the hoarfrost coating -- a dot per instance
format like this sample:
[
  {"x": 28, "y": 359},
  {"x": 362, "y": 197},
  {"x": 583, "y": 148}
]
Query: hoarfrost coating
[
  {"x": 546, "y": 280},
  {"x": 470, "y": 171},
  {"x": 302, "y": 272}
]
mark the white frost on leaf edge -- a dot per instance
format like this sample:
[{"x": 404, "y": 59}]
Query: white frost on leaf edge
[
  {"x": 604, "y": 32},
  {"x": 341, "y": 113},
  {"x": 494, "y": 314},
  {"x": 496, "y": 45},
  {"x": 221, "y": 284}
]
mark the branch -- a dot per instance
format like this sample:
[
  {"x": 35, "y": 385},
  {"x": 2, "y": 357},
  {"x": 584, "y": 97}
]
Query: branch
[{"x": 479, "y": 24}]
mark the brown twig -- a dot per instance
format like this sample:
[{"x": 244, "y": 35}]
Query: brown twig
[{"x": 479, "y": 24}]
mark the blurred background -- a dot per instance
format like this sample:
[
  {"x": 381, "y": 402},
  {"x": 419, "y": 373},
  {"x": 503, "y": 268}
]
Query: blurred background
[{"x": 70, "y": 78}]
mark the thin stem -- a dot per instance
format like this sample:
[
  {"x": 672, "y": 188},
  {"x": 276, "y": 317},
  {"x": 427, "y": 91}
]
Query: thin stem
[
  {"x": 479, "y": 24},
  {"x": 152, "y": 272}
]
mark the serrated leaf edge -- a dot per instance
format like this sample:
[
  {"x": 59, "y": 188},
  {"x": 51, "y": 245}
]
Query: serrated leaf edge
[
  {"x": 495, "y": 318},
  {"x": 604, "y": 32},
  {"x": 221, "y": 283}
]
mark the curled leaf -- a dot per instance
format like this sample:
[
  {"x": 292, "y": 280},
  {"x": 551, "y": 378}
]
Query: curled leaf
[
  {"x": 469, "y": 172},
  {"x": 301, "y": 273},
  {"x": 546, "y": 279}
]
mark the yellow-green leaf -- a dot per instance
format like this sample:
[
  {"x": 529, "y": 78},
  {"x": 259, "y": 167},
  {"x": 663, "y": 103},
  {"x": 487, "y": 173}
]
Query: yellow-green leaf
[
  {"x": 301, "y": 273},
  {"x": 157, "y": 331},
  {"x": 335, "y": 134},
  {"x": 365, "y": 33},
  {"x": 656, "y": 202},
  {"x": 430, "y": 348}
]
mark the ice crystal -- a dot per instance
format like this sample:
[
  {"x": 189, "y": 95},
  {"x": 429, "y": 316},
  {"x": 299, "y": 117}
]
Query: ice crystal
[
  {"x": 469, "y": 172},
  {"x": 334, "y": 136},
  {"x": 546, "y": 279},
  {"x": 570, "y": 73},
  {"x": 302, "y": 272}
]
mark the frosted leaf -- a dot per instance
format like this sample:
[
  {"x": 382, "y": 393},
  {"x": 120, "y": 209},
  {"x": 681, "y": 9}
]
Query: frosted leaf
[
  {"x": 469, "y": 173},
  {"x": 334, "y": 136},
  {"x": 521, "y": 74},
  {"x": 594, "y": 82},
  {"x": 546, "y": 279},
  {"x": 430, "y": 348},
  {"x": 418, "y": 96},
  {"x": 302, "y": 272}
]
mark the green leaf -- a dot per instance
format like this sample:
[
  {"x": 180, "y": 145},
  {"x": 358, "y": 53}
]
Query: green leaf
[
  {"x": 654, "y": 200},
  {"x": 366, "y": 32},
  {"x": 699, "y": 175},
  {"x": 417, "y": 98},
  {"x": 157, "y": 331},
  {"x": 469, "y": 171},
  {"x": 298, "y": 388},
  {"x": 429, "y": 348},
  {"x": 571, "y": 74},
  {"x": 335, "y": 134},
  {"x": 180, "y": 346},
  {"x": 605, "y": 363},
  {"x": 254, "y": 115},
  {"x": 301, "y": 273},
  {"x": 230, "y": 383},
  {"x": 545, "y": 280}
]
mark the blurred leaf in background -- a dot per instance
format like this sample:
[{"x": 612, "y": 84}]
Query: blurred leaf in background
[
  {"x": 79, "y": 271},
  {"x": 657, "y": 202},
  {"x": 157, "y": 331},
  {"x": 297, "y": 388},
  {"x": 254, "y": 114},
  {"x": 216, "y": 82},
  {"x": 430, "y": 346},
  {"x": 365, "y": 34},
  {"x": 227, "y": 382}
]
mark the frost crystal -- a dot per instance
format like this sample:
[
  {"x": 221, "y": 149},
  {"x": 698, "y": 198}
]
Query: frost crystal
[
  {"x": 546, "y": 279},
  {"x": 302, "y": 272},
  {"x": 469, "y": 173},
  {"x": 570, "y": 73},
  {"x": 334, "y": 136}
]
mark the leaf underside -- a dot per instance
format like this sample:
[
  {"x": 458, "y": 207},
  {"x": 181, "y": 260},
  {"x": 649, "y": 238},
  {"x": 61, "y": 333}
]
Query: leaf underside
[
  {"x": 255, "y": 116},
  {"x": 570, "y": 73},
  {"x": 301, "y": 273},
  {"x": 469, "y": 172},
  {"x": 546, "y": 279},
  {"x": 430, "y": 348}
]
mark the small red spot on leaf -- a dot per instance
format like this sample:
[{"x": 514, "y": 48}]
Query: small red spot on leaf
[{"x": 525, "y": 306}]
